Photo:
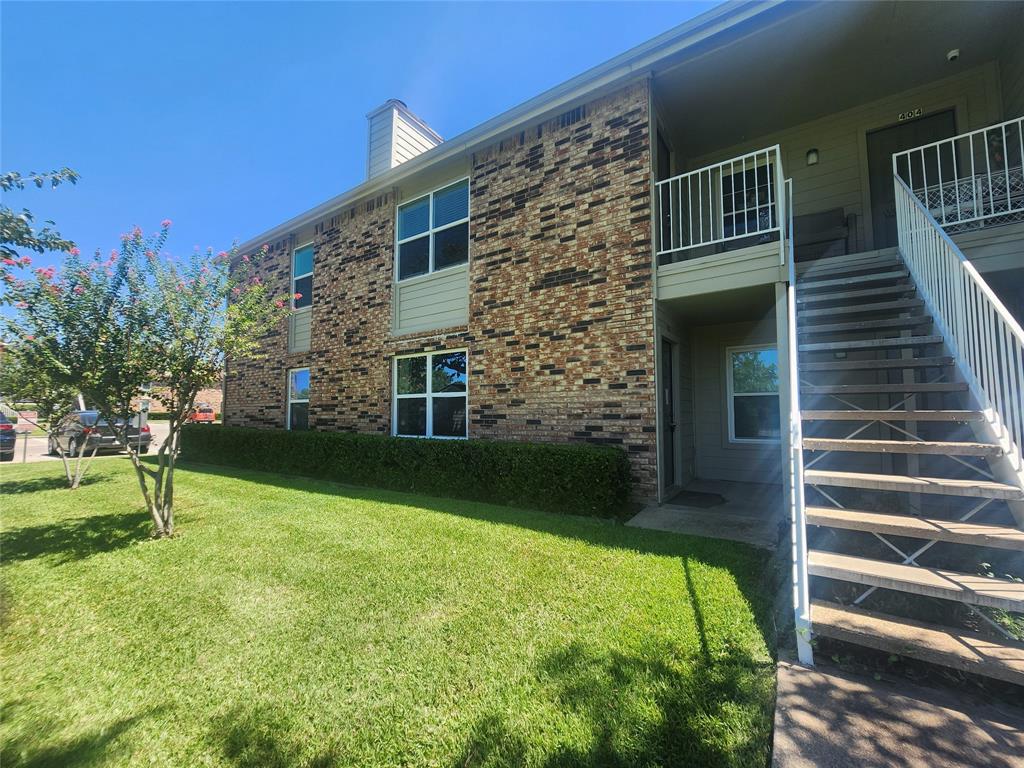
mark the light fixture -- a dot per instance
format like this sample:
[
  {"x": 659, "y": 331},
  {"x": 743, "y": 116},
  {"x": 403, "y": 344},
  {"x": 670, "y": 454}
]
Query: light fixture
[
  {"x": 812, "y": 156},
  {"x": 953, "y": 55}
]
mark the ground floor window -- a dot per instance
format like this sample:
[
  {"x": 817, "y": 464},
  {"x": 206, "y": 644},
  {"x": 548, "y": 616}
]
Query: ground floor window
[
  {"x": 430, "y": 395},
  {"x": 298, "y": 398},
  {"x": 753, "y": 390}
]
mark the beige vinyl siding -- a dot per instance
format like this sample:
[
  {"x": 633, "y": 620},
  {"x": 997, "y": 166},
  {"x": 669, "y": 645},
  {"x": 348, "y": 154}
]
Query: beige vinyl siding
[
  {"x": 1011, "y": 78},
  {"x": 409, "y": 141},
  {"x": 430, "y": 302},
  {"x": 840, "y": 179},
  {"x": 993, "y": 248},
  {"x": 756, "y": 265},
  {"x": 715, "y": 457},
  {"x": 299, "y": 331},
  {"x": 380, "y": 143}
]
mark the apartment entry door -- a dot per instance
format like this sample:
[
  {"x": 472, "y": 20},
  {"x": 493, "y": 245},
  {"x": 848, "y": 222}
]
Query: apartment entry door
[
  {"x": 668, "y": 417},
  {"x": 883, "y": 144}
]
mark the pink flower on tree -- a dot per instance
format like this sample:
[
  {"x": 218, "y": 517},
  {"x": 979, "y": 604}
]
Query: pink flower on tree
[
  {"x": 79, "y": 290},
  {"x": 246, "y": 258},
  {"x": 10, "y": 262},
  {"x": 74, "y": 251},
  {"x": 26, "y": 260},
  {"x": 165, "y": 224},
  {"x": 21, "y": 305},
  {"x": 298, "y": 296},
  {"x": 30, "y": 337},
  {"x": 279, "y": 304}
]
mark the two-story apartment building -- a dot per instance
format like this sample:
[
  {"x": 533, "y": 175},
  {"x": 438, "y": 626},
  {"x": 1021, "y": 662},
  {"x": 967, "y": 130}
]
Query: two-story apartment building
[{"x": 775, "y": 218}]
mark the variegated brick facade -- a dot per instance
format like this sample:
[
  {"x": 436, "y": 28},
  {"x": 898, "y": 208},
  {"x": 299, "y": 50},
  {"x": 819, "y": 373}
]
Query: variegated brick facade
[{"x": 560, "y": 332}]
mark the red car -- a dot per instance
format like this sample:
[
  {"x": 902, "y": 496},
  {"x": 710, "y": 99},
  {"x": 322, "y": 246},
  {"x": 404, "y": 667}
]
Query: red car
[{"x": 203, "y": 414}]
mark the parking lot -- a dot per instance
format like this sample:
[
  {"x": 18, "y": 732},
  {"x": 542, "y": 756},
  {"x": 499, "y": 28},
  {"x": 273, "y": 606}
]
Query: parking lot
[{"x": 34, "y": 448}]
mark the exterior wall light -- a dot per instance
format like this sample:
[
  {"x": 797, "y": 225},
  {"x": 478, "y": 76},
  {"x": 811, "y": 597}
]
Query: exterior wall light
[{"x": 812, "y": 156}]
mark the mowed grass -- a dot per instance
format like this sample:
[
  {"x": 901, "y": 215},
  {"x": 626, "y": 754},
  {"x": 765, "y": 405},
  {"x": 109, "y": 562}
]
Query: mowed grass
[{"x": 293, "y": 622}]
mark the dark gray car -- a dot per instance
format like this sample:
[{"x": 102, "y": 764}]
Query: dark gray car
[{"x": 82, "y": 431}]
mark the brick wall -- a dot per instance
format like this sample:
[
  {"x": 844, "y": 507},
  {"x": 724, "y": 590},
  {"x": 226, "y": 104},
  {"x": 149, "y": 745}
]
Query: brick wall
[{"x": 560, "y": 309}]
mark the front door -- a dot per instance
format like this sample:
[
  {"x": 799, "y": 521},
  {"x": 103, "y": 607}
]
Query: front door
[
  {"x": 882, "y": 145},
  {"x": 668, "y": 416}
]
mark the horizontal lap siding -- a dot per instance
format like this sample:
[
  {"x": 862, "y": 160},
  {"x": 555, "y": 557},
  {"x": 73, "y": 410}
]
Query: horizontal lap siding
[
  {"x": 440, "y": 300},
  {"x": 839, "y": 180},
  {"x": 1011, "y": 75}
]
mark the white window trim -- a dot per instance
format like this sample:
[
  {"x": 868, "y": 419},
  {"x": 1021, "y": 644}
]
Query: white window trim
[
  {"x": 288, "y": 384},
  {"x": 299, "y": 277},
  {"x": 432, "y": 230},
  {"x": 730, "y": 394},
  {"x": 430, "y": 395}
]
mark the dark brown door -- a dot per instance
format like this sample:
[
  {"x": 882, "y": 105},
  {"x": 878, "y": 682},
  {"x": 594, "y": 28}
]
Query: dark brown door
[
  {"x": 885, "y": 142},
  {"x": 668, "y": 416}
]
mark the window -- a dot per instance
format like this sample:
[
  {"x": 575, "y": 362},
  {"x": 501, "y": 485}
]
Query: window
[
  {"x": 298, "y": 398},
  {"x": 433, "y": 231},
  {"x": 753, "y": 383},
  {"x": 430, "y": 395},
  {"x": 302, "y": 276}
]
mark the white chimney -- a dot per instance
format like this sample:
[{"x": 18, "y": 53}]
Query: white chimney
[{"x": 396, "y": 135}]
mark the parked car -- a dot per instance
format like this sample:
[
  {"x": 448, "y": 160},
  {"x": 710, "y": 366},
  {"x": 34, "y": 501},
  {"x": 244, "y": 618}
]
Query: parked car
[
  {"x": 81, "y": 431},
  {"x": 8, "y": 439},
  {"x": 203, "y": 414}
]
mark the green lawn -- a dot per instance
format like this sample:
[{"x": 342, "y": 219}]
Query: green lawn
[{"x": 293, "y": 622}]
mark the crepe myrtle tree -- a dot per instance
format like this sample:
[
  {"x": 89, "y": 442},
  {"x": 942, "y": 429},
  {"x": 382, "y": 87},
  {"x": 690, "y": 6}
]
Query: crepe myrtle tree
[{"x": 109, "y": 326}]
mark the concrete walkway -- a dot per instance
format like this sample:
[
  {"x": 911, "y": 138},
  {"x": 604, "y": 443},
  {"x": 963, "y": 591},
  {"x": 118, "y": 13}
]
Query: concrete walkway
[{"x": 826, "y": 719}]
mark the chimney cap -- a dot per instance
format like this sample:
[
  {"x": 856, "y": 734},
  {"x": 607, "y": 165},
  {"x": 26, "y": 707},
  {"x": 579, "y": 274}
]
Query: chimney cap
[{"x": 400, "y": 106}]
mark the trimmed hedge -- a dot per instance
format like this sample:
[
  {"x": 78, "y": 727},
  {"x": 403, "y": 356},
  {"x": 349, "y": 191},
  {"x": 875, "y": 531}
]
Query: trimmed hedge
[{"x": 570, "y": 479}]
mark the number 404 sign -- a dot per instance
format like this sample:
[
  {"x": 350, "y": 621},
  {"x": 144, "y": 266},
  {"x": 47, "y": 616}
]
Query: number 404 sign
[{"x": 910, "y": 114}]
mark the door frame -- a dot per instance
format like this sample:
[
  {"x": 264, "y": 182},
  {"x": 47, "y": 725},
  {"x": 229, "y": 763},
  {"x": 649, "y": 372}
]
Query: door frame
[{"x": 666, "y": 490}]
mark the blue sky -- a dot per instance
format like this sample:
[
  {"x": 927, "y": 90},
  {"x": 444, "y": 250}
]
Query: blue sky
[{"x": 229, "y": 118}]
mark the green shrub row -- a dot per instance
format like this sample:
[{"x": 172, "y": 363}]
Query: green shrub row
[{"x": 570, "y": 479}]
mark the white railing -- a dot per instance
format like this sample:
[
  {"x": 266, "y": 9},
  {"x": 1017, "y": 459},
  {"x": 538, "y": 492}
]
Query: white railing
[
  {"x": 969, "y": 180},
  {"x": 739, "y": 199},
  {"x": 986, "y": 341},
  {"x": 795, "y": 479}
]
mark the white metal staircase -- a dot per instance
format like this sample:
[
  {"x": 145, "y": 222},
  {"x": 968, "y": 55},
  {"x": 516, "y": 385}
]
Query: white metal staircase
[{"x": 911, "y": 393}]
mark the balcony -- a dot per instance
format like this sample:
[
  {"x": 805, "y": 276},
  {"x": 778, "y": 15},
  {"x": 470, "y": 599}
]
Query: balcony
[{"x": 721, "y": 226}]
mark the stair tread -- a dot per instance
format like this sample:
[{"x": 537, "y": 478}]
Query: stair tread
[
  {"x": 853, "y": 415},
  {"x": 957, "y": 648},
  {"x": 867, "y": 325},
  {"x": 903, "y": 446},
  {"x": 942, "y": 486},
  {"x": 891, "y": 290},
  {"x": 867, "y": 389},
  {"x": 877, "y": 263},
  {"x": 887, "y": 343},
  {"x": 933, "y": 582},
  {"x": 873, "y": 365},
  {"x": 857, "y": 309},
  {"x": 975, "y": 534},
  {"x": 840, "y": 282}
]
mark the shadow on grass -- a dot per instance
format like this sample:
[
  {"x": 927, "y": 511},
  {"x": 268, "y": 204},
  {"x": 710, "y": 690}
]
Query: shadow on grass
[
  {"x": 258, "y": 737},
  {"x": 93, "y": 748},
  {"x": 655, "y": 707},
  {"x": 75, "y": 539},
  {"x": 36, "y": 484}
]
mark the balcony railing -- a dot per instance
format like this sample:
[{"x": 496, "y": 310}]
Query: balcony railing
[
  {"x": 971, "y": 180},
  {"x": 721, "y": 207}
]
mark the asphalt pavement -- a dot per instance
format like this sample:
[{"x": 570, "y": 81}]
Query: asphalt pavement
[{"x": 34, "y": 448}]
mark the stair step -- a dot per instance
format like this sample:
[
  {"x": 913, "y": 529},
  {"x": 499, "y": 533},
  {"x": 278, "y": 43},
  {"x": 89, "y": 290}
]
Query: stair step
[
  {"x": 902, "y": 446},
  {"x": 890, "y": 363},
  {"x": 853, "y": 415},
  {"x": 817, "y": 271},
  {"x": 975, "y": 534},
  {"x": 956, "y": 648},
  {"x": 859, "y": 309},
  {"x": 875, "y": 389},
  {"x": 849, "y": 258},
  {"x": 888, "y": 343},
  {"x": 868, "y": 325},
  {"x": 930, "y": 582},
  {"x": 892, "y": 290},
  {"x": 843, "y": 282},
  {"x": 979, "y": 489}
]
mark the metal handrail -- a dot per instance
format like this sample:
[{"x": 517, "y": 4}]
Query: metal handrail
[
  {"x": 692, "y": 207},
  {"x": 984, "y": 338},
  {"x": 798, "y": 515},
  {"x": 969, "y": 179}
]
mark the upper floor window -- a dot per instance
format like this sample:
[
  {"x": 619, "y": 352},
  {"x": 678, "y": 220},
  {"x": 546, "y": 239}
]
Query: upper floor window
[
  {"x": 753, "y": 382},
  {"x": 302, "y": 276},
  {"x": 433, "y": 231}
]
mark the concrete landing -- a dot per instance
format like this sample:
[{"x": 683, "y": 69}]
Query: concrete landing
[
  {"x": 827, "y": 719},
  {"x": 752, "y": 514}
]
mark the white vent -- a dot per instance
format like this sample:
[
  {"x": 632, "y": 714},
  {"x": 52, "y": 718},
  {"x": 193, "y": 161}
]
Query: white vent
[{"x": 396, "y": 135}]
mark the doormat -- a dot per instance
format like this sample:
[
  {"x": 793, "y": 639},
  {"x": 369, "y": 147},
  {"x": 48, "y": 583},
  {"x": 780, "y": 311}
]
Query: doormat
[{"x": 697, "y": 499}]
